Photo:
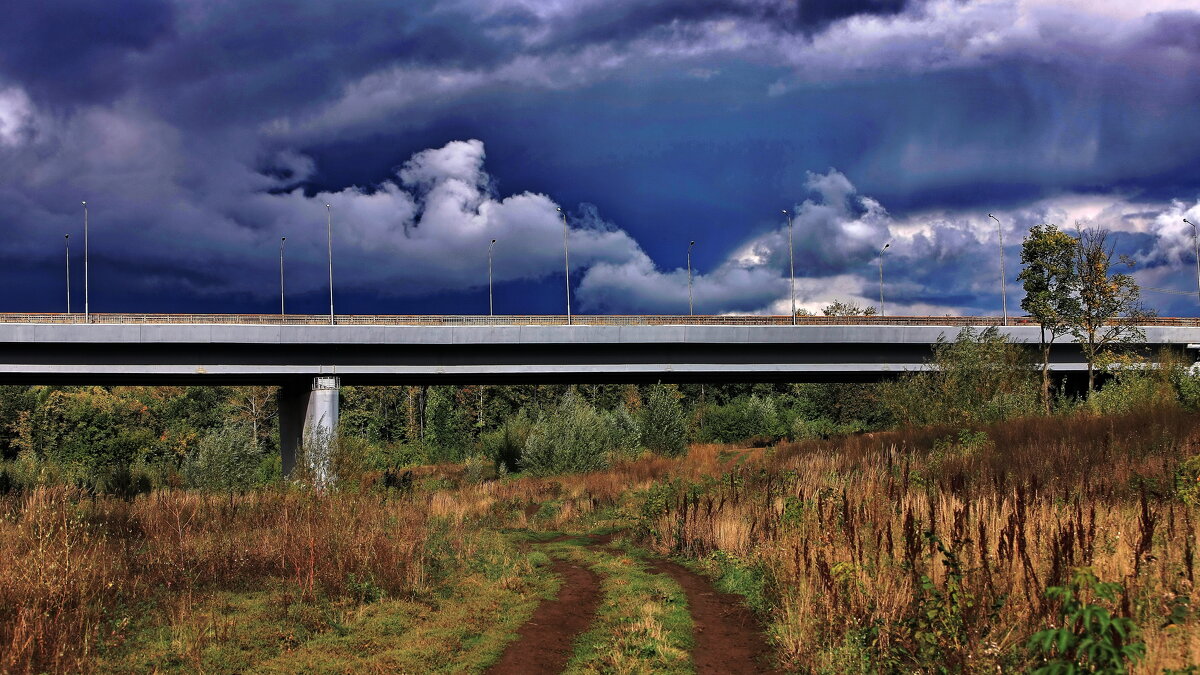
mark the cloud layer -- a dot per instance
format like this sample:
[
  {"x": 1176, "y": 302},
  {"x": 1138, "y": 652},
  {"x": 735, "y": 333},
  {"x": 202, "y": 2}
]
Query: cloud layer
[{"x": 202, "y": 133}]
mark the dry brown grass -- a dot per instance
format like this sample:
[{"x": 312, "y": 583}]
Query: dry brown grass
[
  {"x": 838, "y": 530},
  {"x": 69, "y": 562}
]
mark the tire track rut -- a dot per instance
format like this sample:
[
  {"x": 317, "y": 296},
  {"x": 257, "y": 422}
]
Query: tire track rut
[{"x": 544, "y": 643}]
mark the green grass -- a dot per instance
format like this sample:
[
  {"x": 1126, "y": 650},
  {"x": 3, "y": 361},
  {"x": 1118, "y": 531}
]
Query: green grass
[
  {"x": 642, "y": 624},
  {"x": 462, "y": 626}
]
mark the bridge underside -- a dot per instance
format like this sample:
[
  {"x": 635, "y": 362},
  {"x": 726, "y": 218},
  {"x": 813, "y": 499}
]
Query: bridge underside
[
  {"x": 390, "y": 364},
  {"x": 309, "y": 363}
]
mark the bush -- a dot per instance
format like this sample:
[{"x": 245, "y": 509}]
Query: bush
[
  {"x": 822, "y": 427},
  {"x": 626, "y": 432},
  {"x": 750, "y": 417},
  {"x": 664, "y": 427},
  {"x": 504, "y": 445},
  {"x": 1088, "y": 638},
  {"x": 980, "y": 377},
  {"x": 224, "y": 461},
  {"x": 571, "y": 437}
]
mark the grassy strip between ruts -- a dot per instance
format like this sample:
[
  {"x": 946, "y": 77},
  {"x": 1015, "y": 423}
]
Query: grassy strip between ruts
[
  {"x": 642, "y": 625},
  {"x": 461, "y": 627}
]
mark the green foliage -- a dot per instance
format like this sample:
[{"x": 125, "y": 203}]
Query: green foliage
[
  {"x": 503, "y": 446},
  {"x": 90, "y": 433},
  {"x": 225, "y": 460},
  {"x": 571, "y": 438},
  {"x": 749, "y": 417},
  {"x": 446, "y": 435},
  {"x": 750, "y": 578},
  {"x": 664, "y": 427},
  {"x": 1088, "y": 638},
  {"x": 363, "y": 588},
  {"x": 1103, "y": 296},
  {"x": 847, "y": 308},
  {"x": 1049, "y": 278},
  {"x": 978, "y": 378},
  {"x": 1187, "y": 481},
  {"x": 939, "y": 633},
  {"x": 822, "y": 427},
  {"x": 626, "y": 430}
]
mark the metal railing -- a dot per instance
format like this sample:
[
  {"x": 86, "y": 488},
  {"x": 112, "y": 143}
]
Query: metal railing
[{"x": 541, "y": 320}]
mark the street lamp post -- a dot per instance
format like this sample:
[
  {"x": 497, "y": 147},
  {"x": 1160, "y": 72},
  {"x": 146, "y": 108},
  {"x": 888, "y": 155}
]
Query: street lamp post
[
  {"x": 885, "y": 247},
  {"x": 1003, "y": 296},
  {"x": 490, "y": 305},
  {"x": 329, "y": 240},
  {"x": 281, "y": 241},
  {"x": 690, "y": 245},
  {"x": 87, "y": 310},
  {"x": 67, "y": 239},
  {"x": 1196, "y": 247},
  {"x": 566, "y": 262},
  {"x": 792, "y": 265}
]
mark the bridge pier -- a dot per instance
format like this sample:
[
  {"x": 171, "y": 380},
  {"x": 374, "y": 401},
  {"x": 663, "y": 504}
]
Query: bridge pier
[{"x": 308, "y": 422}]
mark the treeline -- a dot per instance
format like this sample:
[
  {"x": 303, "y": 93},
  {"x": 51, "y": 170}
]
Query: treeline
[{"x": 131, "y": 439}]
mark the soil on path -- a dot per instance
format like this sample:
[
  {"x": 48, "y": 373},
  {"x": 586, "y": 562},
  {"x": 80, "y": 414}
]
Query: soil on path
[
  {"x": 729, "y": 638},
  {"x": 543, "y": 644}
]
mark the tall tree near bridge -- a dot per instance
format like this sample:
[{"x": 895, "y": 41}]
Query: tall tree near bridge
[
  {"x": 1051, "y": 289},
  {"x": 1109, "y": 303}
]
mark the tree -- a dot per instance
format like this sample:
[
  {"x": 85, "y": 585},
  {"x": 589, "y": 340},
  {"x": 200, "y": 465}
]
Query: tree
[
  {"x": 1109, "y": 303},
  {"x": 847, "y": 308},
  {"x": 1051, "y": 283},
  {"x": 664, "y": 427},
  {"x": 445, "y": 430},
  {"x": 569, "y": 438}
]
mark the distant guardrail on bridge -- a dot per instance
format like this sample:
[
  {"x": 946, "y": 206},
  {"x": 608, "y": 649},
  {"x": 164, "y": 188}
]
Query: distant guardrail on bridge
[{"x": 541, "y": 320}]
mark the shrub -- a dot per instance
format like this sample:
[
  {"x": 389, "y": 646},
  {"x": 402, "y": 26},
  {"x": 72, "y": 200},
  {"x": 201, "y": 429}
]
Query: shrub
[
  {"x": 664, "y": 427},
  {"x": 571, "y": 437},
  {"x": 1088, "y": 638},
  {"x": 504, "y": 445},
  {"x": 750, "y": 417},
  {"x": 224, "y": 461},
  {"x": 979, "y": 377}
]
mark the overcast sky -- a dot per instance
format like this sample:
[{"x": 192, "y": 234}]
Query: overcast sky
[{"x": 200, "y": 133}]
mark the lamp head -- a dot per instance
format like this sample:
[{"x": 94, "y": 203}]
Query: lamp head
[
  {"x": 784, "y": 211},
  {"x": 283, "y": 239},
  {"x": 887, "y": 246},
  {"x": 66, "y": 236},
  {"x": 493, "y": 241},
  {"x": 692, "y": 243},
  {"x": 84, "y": 203}
]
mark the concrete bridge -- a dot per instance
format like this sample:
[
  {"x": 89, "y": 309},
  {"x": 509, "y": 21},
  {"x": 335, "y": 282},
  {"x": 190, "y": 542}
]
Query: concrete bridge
[{"x": 308, "y": 358}]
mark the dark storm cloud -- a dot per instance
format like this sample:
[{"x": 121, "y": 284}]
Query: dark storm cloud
[
  {"x": 621, "y": 22},
  {"x": 78, "y": 50},
  {"x": 202, "y": 132}
]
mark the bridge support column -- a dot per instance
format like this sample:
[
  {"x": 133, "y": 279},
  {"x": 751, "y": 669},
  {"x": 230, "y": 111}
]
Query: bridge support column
[{"x": 308, "y": 422}]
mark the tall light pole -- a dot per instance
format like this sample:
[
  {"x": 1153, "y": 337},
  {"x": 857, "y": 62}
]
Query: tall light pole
[
  {"x": 885, "y": 247},
  {"x": 87, "y": 311},
  {"x": 690, "y": 245},
  {"x": 67, "y": 239},
  {"x": 1003, "y": 296},
  {"x": 566, "y": 262},
  {"x": 792, "y": 265},
  {"x": 281, "y": 241},
  {"x": 490, "y": 306},
  {"x": 1196, "y": 247},
  {"x": 329, "y": 238}
]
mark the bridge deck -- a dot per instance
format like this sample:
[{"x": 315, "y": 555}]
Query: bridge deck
[{"x": 540, "y": 320}]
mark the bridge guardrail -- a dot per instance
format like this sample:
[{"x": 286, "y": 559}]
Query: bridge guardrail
[{"x": 540, "y": 320}]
